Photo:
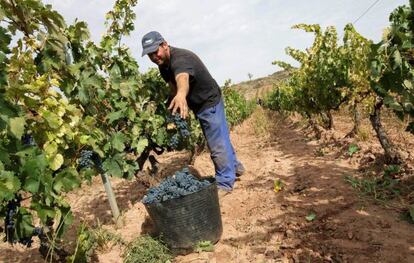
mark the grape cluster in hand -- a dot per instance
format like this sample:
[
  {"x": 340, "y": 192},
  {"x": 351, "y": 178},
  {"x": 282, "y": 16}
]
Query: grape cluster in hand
[{"x": 181, "y": 184}]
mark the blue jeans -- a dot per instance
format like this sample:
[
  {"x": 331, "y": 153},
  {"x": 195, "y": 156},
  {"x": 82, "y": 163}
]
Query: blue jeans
[{"x": 214, "y": 126}]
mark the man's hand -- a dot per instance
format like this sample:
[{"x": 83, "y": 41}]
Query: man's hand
[{"x": 179, "y": 102}]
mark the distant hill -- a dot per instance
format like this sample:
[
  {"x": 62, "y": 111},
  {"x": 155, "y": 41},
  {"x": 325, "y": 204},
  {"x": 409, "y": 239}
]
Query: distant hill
[{"x": 259, "y": 87}]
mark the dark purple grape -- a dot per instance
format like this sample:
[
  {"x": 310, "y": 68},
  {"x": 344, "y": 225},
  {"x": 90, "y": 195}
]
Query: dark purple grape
[
  {"x": 181, "y": 184},
  {"x": 183, "y": 131}
]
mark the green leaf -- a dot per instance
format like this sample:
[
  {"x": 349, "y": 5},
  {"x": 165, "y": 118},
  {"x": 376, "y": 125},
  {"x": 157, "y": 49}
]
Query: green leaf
[
  {"x": 56, "y": 162},
  {"x": 17, "y": 126},
  {"x": 24, "y": 223},
  {"x": 277, "y": 185},
  {"x": 118, "y": 141},
  {"x": 2, "y": 14},
  {"x": 88, "y": 174},
  {"x": 408, "y": 84},
  {"x": 160, "y": 139},
  {"x": 113, "y": 116},
  {"x": 131, "y": 114},
  {"x": 125, "y": 88},
  {"x": 311, "y": 217},
  {"x": 206, "y": 246},
  {"x": 397, "y": 59},
  {"x": 52, "y": 119},
  {"x": 136, "y": 130},
  {"x": 392, "y": 170},
  {"x": 353, "y": 148},
  {"x": 50, "y": 148},
  {"x": 6, "y": 111},
  {"x": 31, "y": 184},
  {"x": 90, "y": 79},
  {"x": 64, "y": 217},
  {"x": 43, "y": 211},
  {"x": 112, "y": 167},
  {"x": 83, "y": 95},
  {"x": 83, "y": 139},
  {"x": 35, "y": 166},
  {"x": 392, "y": 103},
  {"x": 9, "y": 185},
  {"x": 140, "y": 145},
  {"x": 47, "y": 182},
  {"x": 4, "y": 156},
  {"x": 66, "y": 181}
]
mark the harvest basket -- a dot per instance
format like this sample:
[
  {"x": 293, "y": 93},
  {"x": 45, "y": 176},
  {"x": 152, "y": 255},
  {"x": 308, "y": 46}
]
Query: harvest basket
[{"x": 184, "y": 221}]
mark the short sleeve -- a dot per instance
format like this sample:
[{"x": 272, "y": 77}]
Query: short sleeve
[{"x": 183, "y": 64}]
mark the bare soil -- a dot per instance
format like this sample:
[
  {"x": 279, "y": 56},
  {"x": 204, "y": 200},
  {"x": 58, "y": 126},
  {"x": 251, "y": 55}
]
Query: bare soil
[{"x": 261, "y": 224}]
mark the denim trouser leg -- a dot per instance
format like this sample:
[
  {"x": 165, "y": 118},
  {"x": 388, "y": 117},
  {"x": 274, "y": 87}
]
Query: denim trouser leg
[
  {"x": 214, "y": 126},
  {"x": 238, "y": 166}
]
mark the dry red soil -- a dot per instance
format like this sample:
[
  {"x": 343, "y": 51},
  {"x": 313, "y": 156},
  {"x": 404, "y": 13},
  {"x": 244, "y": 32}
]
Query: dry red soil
[{"x": 261, "y": 225}]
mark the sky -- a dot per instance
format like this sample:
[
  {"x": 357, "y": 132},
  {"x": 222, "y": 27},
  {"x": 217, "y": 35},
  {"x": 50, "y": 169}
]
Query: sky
[{"x": 234, "y": 37}]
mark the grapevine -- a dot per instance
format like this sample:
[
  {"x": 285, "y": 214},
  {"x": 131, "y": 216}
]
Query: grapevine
[
  {"x": 237, "y": 108},
  {"x": 356, "y": 73}
]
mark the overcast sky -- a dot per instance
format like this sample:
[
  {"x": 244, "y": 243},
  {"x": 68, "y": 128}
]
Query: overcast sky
[{"x": 233, "y": 37}]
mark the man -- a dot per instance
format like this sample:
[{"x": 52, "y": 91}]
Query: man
[{"x": 192, "y": 87}]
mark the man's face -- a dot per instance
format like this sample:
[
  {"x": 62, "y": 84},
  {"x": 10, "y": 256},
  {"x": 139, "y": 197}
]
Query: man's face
[{"x": 161, "y": 56}]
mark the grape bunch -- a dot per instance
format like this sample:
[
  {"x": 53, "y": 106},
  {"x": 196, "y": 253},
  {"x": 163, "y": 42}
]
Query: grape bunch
[
  {"x": 182, "y": 183},
  {"x": 182, "y": 130},
  {"x": 174, "y": 141},
  {"x": 89, "y": 159},
  {"x": 85, "y": 160},
  {"x": 28, "y": 140},
  {"x": 27, "y": 241},
  {"x": 9, "y": 223}
]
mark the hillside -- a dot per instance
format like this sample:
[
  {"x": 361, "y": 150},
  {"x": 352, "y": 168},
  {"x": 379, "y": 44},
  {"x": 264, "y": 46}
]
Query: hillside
[{"x": 259, "y": 87}]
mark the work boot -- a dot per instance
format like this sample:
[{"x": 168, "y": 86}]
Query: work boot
[{"x": 240, "y": 169}]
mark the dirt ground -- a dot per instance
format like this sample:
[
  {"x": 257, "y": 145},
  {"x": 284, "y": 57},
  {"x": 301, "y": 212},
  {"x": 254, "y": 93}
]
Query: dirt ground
[{"x": 261, "y": 225}]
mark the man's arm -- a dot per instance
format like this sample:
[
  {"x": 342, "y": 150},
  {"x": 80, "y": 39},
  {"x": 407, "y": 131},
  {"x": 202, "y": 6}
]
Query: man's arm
[{"x": 179, "y": 102}]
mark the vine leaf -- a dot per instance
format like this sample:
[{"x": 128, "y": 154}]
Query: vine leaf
[
  {"x": 66, "y": 181},
  {"x": 43, "y": 211},
  {"x": 118, "y": 141},
  {"x": 56, "y": 162},
  {"x": 112, "y": 167},
  {"x": 140, "y": 145},
  {"x": 24, "y": 225},
  {"x": 9, "y": 184},
  {"x": 32, "y": 184},
  {"x": 17, "y": 126},
  {"x": 113, "y": 116}
]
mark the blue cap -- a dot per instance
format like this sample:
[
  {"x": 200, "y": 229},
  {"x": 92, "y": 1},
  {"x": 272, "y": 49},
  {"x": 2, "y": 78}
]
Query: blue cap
[{"x": 150, "y": 42}]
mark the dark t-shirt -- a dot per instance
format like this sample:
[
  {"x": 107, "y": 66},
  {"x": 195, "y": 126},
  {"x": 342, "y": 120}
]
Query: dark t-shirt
[{"x": 204, "y": 91}]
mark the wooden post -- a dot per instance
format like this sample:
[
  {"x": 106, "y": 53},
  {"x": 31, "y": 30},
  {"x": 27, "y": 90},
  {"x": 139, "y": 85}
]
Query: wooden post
[{"x": 111, "y": 196}]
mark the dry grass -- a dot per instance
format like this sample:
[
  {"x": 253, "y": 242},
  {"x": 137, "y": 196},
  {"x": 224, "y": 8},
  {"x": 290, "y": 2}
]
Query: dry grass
[{"x": 261, "y": 122}]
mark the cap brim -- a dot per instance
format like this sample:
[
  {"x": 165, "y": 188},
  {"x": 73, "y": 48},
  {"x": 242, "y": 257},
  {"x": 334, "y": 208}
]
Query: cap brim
[{"x": 151, "y": 48}]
